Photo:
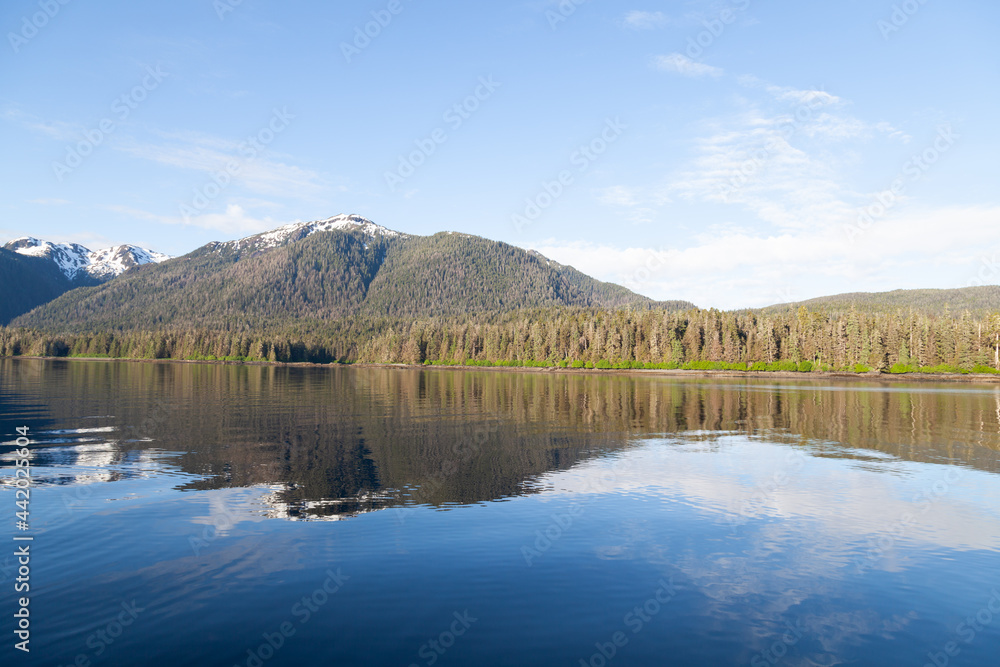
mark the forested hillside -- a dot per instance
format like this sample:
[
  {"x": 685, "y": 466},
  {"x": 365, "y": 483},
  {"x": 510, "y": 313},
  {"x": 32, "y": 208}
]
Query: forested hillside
[
  {"x": 327, "y": 277},
  {"x": 27, "y": 282},
  {"x": 345, "y": 290}
]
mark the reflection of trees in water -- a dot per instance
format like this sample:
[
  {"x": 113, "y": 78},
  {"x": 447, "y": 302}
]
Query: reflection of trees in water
[{"x": 344, "y": 440}]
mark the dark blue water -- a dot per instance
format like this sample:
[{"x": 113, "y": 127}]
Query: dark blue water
[{"x": 189, "y": 514}]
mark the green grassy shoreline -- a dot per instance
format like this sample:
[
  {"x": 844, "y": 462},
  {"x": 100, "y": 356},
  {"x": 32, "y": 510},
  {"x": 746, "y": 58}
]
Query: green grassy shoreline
[{"x": 637, "y": 369}]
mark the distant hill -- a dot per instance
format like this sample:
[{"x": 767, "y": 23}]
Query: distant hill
[
  {"x": 342, "y": 267},
  {"x": 930, "y": 301}
]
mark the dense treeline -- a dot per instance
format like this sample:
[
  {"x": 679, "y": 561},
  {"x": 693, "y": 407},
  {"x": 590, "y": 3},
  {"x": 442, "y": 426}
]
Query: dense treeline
[{"x": 582, "y": 337}]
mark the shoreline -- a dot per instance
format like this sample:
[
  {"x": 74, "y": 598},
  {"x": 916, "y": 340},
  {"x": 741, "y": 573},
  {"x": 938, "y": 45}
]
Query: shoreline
[{"x": 981, "y": 378}]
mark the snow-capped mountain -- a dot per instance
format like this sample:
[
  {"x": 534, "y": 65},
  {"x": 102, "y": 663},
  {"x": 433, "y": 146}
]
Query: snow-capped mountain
[
  {"x": 76, "y": 261},
  {"x": 299, "y": 230},
  {"x": 114, "y": 261}
]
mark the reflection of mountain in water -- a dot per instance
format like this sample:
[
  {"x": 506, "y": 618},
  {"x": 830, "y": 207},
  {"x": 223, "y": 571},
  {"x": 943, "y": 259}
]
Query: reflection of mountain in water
[{"x": 335, "y": 442}]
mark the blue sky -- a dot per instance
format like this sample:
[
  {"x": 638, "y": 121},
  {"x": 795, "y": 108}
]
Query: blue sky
[{"x": 733, "y": 154}]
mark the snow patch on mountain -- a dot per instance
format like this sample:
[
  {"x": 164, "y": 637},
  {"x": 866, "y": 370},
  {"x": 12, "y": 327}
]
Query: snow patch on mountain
[
  {"x": 300, "y": 230},
  {"x": 75, "y": 261},
  {"x": 549, "y": 262},
  {"x": 114, "y": 261}
]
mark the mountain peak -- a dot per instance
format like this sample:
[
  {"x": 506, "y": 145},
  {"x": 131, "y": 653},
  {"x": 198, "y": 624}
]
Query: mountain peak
[
  {"x": 297, "y": 231},
  {"x": 114, "y": 261},
  {"x": 22, "y": 242},
  {"x": 356, "y": 270}
]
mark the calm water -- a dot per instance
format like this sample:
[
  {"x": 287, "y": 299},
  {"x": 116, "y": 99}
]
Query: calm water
[{"x": 222, "y": 515}]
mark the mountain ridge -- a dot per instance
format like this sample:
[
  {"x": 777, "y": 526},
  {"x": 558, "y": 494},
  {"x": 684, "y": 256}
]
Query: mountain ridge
[
  {"x": 78, "y": 262},
  {"x": 325, "y": 270},
  {"x": 370, "y": 271},
  {"x": 299, "y": 230}
]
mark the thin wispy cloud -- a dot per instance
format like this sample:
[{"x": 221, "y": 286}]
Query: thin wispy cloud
[
  {"x": 53, "y": 129},
  {"x": 640, "y": 20},
  {"x": 678, "y": 63},
  {"x": 808, "y": 96},
  {"x": 50, "y": 201},
  {"x": 758, "y": 167},
  {"x": 195, "y": 138},
  {"x": 263, "y": 173},
  {"x": 629, "y": 202},
  {"x": 259, "y": 174},
  {"x": 785, "y": 156},
  {"x": 234, "y": 221}
]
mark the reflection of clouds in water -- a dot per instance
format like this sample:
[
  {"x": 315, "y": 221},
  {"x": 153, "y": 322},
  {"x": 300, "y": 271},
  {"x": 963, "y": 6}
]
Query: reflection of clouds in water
[
  {"x": 799, "y": 547},
  {"x": 836, "y": 631},
  {"x": 91, "y": 463},
  {"x": 70, "y": 431},
  {"x": 229, "y": 507},
  {"x": 219, "y": 569},
  {"x": 842, "y": 501},
  {"x": 33, "y": 436}
]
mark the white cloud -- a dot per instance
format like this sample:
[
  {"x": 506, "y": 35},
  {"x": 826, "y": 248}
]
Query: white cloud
[
  {"x": 893, "y": 132},
  {"x": 58, "y": 130},
  {"x": 681, "y": 64},
  {"x": 631, "y": 202},
  {"x": 50, "y": 201},
  {"x": 762, "y": 171},
  {"x": 785, "y": 158},
  {"x": 640, "y": 20},
  {"x": 235, "y": 221},
  {"x": 736, "y": 268},
  {"x": 264, "y": 173},
  {"x": 810, "y": 97},
  {"x": 776, "y": 178}
]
